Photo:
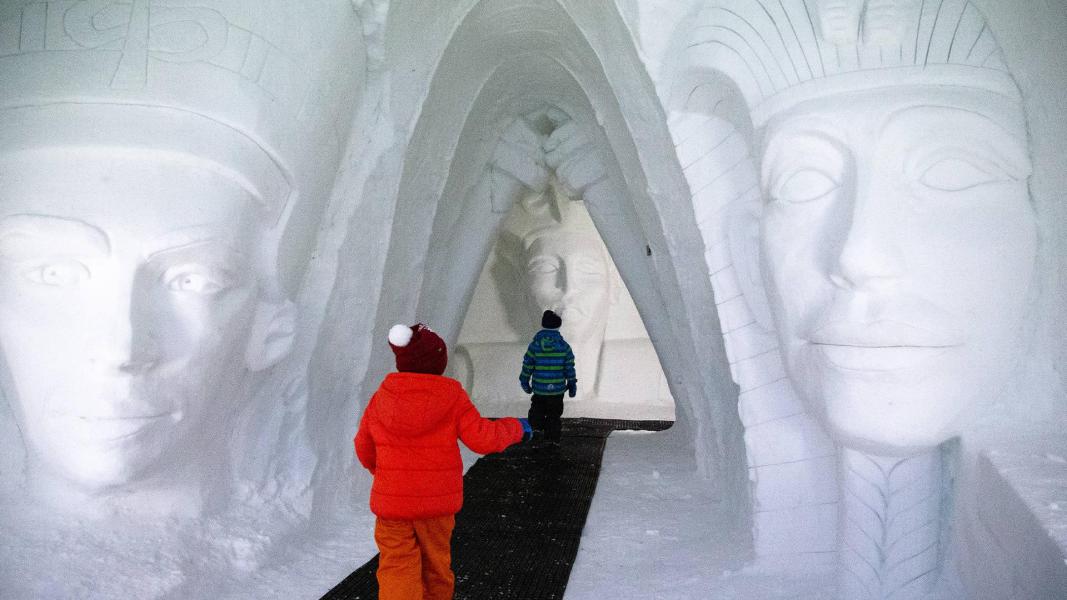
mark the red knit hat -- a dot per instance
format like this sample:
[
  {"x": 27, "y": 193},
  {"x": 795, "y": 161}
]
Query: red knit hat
[{"x": 418, "y": 349}]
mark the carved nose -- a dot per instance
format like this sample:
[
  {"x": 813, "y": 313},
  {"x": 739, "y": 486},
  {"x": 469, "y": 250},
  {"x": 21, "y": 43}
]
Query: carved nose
[
  {"x": 870, "y": 246},
  {"x": 124, "y": 342},
  {"x": 864, "y": 261},
  {"x": 137, "y": 367}
]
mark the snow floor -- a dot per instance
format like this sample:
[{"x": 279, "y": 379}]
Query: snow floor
[{"x": 653, "y": 532}]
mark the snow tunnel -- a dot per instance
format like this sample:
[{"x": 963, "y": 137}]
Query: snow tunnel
[
  {"x": 549, "y": 255},
  {"x": 521, "y": 110},
  {"x": 469, "y": 163}
]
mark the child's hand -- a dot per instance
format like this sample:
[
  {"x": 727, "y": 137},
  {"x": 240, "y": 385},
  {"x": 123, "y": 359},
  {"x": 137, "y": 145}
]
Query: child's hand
[
  {"x": 525, "y": 386},
  {"x": 572, "y": 387},
  {"x": 528, "y": 432}
]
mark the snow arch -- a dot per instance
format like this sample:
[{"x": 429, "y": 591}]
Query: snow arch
[{"x": 506, "y": 60}]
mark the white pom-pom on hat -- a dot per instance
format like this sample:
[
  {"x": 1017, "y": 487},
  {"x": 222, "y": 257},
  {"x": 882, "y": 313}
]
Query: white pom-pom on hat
[{"x": 400, "y": 335}]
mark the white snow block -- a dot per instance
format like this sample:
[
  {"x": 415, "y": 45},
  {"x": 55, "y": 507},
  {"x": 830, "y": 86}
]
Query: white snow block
[
  {"x": 759, "y": 370},
  {"x": 786, "y": 440},
  {"x": 793, "y": 485},
  {"x": 734, "y": 314},
  {"x": 1023, "y": 549},
  {"x": 521, "y": 163},
  {"x": 712, "y": 166},
  {"x": 725, "y": 285},
  {"x": 795, "y": 532},
  {"x": 777, "y": 400},
  {"x": 698, "y": 146},
  {"x": 804, "y": 564},
  {"x": 748, "y": 341},
  {"x": 716, "y": 253},
  {"x": 712, "y": 200}
]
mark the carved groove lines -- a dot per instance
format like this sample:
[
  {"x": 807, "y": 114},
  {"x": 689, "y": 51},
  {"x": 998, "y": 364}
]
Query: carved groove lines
[
  {"x": 790, "y": 459},
  {"x": 759, "y": 42},
  {"x": 143, "y": 30},
  {"x": 891, "y": 521}
]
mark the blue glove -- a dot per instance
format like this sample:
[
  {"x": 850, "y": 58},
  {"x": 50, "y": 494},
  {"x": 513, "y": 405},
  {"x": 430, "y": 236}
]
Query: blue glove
[
  {"x": 572, "y": 387},
  {"x": 525, "y": 385},
  {"x": 527, "y": 431}
]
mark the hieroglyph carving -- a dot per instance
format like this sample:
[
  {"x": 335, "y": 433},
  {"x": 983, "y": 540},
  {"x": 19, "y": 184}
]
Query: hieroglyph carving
[{"x": 142, "y": 30}]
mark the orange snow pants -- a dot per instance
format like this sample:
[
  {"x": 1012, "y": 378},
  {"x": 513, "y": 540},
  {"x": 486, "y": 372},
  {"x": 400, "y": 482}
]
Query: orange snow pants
[{"x": 416, "y": 558}]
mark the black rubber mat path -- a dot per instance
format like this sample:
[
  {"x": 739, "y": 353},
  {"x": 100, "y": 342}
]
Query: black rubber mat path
[{"x": 523, "y": 513}]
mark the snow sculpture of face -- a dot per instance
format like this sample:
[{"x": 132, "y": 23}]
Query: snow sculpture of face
[
  {"x": 898, "y": 247},
  {"x": 162, "y": 171},
  {"x": 567, "y": 272},
  {"x": 557, "y": 254},
  {"x": 895, "y": 236},
  {"x": 129, "y": 291}
]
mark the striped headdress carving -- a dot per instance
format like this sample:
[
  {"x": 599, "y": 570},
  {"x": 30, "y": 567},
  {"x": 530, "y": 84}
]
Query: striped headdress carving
[{"x": 817, "y": 47}]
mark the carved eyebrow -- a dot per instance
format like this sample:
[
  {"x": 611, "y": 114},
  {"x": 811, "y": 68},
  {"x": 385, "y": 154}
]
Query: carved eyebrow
[
  {"x": 988, "y": 135},
  {"x": 29, "y": 236},
  {"x": 189, "y": 238},
  {"x": 808, "y": 129},
  {"x": 807, "y": 125},
  {"x": 796, "y": 145},
  {"x": 936, "y": 112},
  {"x": 543, "y": 258}
]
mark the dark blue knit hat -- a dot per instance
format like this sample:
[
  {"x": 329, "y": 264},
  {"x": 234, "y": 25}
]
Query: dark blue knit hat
[{"x": 550, "y": 320}]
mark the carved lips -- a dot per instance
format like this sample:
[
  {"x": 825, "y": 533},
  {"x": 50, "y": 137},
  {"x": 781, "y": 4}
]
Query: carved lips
[
  {"x": 882, "y": 345},
  {"x": 114, "y": 429}
]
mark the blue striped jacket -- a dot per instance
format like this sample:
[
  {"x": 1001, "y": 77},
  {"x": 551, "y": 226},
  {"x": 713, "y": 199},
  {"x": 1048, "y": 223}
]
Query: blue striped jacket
[{"x": 548, "y": 365}]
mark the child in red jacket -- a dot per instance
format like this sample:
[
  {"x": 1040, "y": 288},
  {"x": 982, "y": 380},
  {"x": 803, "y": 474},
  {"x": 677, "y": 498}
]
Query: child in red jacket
[{"x": 407, "y": 439}]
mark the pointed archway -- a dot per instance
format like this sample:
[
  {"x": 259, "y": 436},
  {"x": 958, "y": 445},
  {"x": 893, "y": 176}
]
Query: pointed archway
[{"x": 507, "y": 59}]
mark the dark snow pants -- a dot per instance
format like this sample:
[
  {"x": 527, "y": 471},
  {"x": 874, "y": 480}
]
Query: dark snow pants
[{"x": 545, "y": 413}]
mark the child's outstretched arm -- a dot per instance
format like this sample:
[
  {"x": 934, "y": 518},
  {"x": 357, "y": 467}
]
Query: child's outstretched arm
[{"x": 484, "y": 435}]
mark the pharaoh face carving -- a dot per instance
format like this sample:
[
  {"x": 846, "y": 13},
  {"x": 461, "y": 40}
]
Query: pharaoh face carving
[
  {"x": 898, "y": 247},
  {"x": 129, "y": 293},
  {"x": 567, "y": 272}
]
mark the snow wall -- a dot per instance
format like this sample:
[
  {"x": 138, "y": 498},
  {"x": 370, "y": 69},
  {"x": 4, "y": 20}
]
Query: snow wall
[{"x": 627, "y": 106}]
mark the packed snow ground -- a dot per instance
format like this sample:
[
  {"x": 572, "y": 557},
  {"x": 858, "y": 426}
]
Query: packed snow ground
[{"x": 654, "y": 532}]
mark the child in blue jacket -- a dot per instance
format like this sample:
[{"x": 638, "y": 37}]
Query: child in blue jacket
[{"x": 548, "y": 371}]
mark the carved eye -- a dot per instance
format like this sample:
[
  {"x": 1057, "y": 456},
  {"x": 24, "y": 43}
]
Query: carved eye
[
  {"x": 196, "y": 279},
  {"x": 588, "y": 267},
  {"x": 957, "y": 175},
  {"x": 805, "y": 185},
  {"x": 542, "y": 267},
  {"x": 65, "y": 273}
]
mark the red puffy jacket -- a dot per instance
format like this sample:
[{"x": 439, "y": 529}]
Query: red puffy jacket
[{"x": 407, "y": 440}]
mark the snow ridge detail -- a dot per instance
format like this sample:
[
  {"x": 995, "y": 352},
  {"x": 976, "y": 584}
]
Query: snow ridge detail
[{"x": 891, "y": 525}]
